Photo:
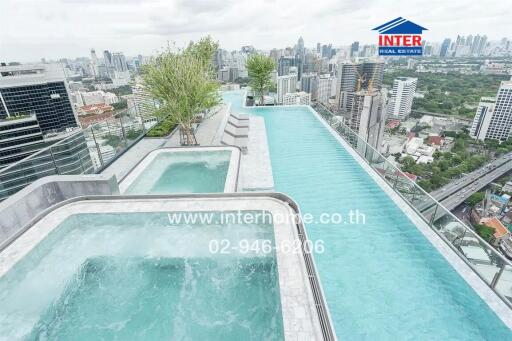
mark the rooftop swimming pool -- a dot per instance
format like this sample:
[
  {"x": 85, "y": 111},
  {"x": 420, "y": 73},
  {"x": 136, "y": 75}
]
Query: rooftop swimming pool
[
  {"x": 382, "y": 279},
  {"x": 128, "y": 269},
  {"x": 184, "y": 170}
]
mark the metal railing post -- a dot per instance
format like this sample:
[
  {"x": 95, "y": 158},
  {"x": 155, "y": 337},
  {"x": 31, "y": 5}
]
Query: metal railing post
[{"x": 497, "y": 277}]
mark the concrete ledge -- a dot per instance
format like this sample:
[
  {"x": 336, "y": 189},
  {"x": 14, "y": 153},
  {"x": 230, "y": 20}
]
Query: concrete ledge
[{"x": 19, "y": 209}]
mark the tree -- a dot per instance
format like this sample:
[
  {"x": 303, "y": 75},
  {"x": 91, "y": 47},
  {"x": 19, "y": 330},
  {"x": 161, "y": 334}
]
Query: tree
[
  {"x": 475, "y": 198},
  {"x": 183, "y": 83},
  {"x": 259, "y": 68}
]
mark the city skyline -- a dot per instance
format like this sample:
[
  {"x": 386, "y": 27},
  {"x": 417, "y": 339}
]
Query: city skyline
[{"x": 69, "y": 28}]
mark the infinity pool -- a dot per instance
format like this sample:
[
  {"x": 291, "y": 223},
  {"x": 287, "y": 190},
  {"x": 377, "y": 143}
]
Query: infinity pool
[
  {"x": 184, "y": 170},
  {"x": 136, "y": 276},
  {"x": 383, "y": 280}
]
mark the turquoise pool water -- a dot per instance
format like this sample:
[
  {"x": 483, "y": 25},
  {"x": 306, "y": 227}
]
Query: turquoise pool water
[
  {"x": 382, "y": 280},
  {"x": 183, "y": 172},
  {"x": 134, "y": 276}
]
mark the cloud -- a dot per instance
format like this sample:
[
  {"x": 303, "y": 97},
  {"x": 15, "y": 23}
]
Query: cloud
[{"x": 32, "y": 29}]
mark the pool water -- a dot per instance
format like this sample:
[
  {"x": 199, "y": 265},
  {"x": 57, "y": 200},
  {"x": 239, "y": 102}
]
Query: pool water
[
  {"x": 383, "y": 280},
  {"x": 133, "y": 276},
  {"x": 183, "y": 172}
]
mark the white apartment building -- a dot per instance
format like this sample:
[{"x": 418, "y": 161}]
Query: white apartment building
[
  {"x": 285, "y": 84},
  {"x": 324, "y": 88},
  {"x": 82, "y": 98},
  {"x": 400, "y": 104},
  {"x": 482, "y": 118},
  {"x": 493, "y": 120},
  {"x": 297, "y": 98}
]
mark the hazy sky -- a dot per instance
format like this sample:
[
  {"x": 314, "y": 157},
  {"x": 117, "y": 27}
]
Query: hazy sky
[{"x": 31, "y": 29}]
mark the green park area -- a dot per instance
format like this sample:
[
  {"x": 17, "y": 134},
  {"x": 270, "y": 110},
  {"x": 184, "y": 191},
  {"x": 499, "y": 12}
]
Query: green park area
[{"x": 450, "y": 94}]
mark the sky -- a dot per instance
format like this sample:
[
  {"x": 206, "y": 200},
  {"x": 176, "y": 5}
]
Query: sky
[{"x": 53, "y": 29}]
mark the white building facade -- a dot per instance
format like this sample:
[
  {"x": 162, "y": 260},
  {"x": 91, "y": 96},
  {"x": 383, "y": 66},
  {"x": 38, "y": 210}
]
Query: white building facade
[
  {"x": 400, "y": 104},
  {"x": 297, "y": 98},
  {"x": 285, "y": 84},
  {"x": 494, "y": 120},
  {"x": 324, "y": 88}
]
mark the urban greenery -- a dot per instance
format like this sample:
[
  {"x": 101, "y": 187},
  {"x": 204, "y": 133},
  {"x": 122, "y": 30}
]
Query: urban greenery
[
  {"x": 485, "y": 232},
  {"x": 122, "y": 104},
  {"x": 163, "y": 128},
  {"x": 184, "y": 83},
  {"x": 260, "y": 68},
  {"x": 475, "y": 198},
  {"x": 451, "y": 94},
  {"x": 446, "y": 165}
]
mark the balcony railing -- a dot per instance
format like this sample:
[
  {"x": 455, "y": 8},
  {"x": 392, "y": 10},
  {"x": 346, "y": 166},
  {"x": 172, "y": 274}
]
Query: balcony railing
[
  {"x": 87, "y": 151},
  {"x": 489, "y": 264}
]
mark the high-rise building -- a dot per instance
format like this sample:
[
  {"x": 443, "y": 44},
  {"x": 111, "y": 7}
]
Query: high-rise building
[
  {"x": 400, "y": 104},
  {"x": 367, "y": 117},
  {"x": 482, "y": 119},
  {"x": 308, "y": 84},
  {"x": 353, "y": 77},
  {"x": 119, "y": 62},
  {"x": 297, "y": 98},
  {"x": 445, "y": 47},
  {"x": 19, "y": 137},
  {"x": 285, "y": 62},
  {"x": 494, "y": 120},
  {"x": 285, "y": 85},
  {"x": 37, "y": 89},
  {"x": 94, "y": 64},
  {"x": 324, "y": 87},
  {"x": 354, "y": 49}
]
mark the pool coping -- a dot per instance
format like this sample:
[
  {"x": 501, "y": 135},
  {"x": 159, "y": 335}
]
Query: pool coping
[
  {"x": 294, "y": 310},
  {"x": 470, "y": 277},
  {"x": 232, "y": 175}
]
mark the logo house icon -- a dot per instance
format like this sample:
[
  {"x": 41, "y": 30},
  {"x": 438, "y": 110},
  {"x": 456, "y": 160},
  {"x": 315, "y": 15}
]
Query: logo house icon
[{"x": 400, "y": 37}]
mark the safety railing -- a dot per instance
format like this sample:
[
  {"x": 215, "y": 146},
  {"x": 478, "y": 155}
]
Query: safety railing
[
  {"x": 488, "y": 263},
  {"x": 85, "y": 151}
]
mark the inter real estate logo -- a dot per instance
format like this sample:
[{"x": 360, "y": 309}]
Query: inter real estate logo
[{"x": 400, "y": 37}]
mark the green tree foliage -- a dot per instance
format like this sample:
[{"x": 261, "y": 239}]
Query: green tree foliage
[
  {"x": 184, "y": 83},
  {"x": 259, "y": 68},
  {"x": 122, "y": 104},
  {"x": 475, "y": 198},
  {"x": 485, "y": 232},
  {"x": 452, "y": 93}
]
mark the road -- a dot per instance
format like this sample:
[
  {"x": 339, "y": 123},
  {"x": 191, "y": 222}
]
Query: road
[
  {"x": 455, "y": 186},
  {"x": 463, "y": 190}
]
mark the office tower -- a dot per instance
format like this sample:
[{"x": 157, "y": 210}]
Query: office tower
[
  {"x": 38, "y": 89},
  {"x": 324, "y": 87},
  {"x": 482, "y": 119},
  {"x": 308, "y": 84},
  {"x": 353, "y": 77},
  {"x": 354, "y": 49},
  {"x": 475, "y": 45},
  {"x": 482, "y": 45},
  {"x": 285, "y": 62},
  {"x": 297, "y": 98},
  {"x": 94, "y": 64},
  {"x": 401, "y": 100},
  {"x": 299, "y": 57},
  {"x": 494, "y": 120},
  {"x": 107, "y": 58},
  {"x": 119, "y": 62},
  {"x": 318, "y": 48},
  {"x": 327, "y": 51},
  {"x": 19, "y": 138},
  {"x": 445, "y": 47},
  {"x": 285, "y": 85}
]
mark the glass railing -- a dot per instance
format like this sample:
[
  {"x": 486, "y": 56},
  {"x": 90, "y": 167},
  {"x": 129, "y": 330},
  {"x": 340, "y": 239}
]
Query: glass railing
[
  {"x": 85, "y": 151},
  {"x": 488, "y": 263}
]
